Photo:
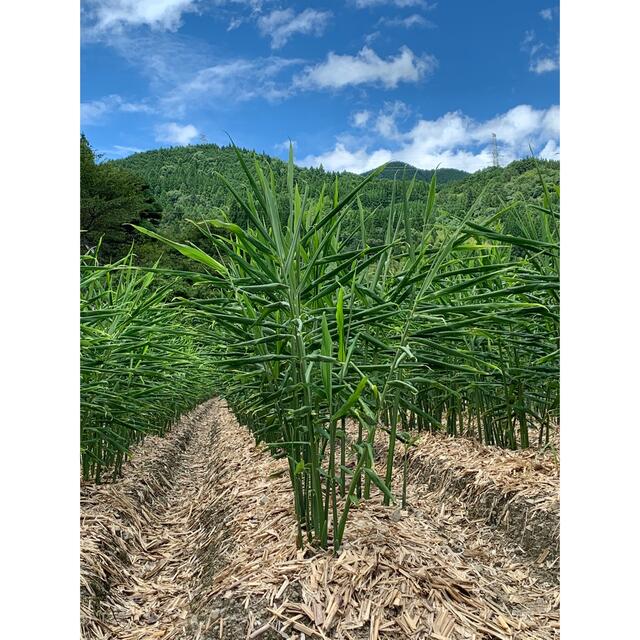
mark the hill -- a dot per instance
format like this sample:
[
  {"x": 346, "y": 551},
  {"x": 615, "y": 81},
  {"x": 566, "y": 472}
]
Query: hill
[
  {"x": 184, "y": 180},
  {"x": 501, "y": 185},
  {"x": 185, "y": 184},
  {"x": 398, "y": 170}
]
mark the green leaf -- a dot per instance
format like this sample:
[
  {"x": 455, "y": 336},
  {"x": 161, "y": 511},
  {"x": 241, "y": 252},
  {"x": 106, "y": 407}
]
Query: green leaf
[
  {"x": 353, "y": 398},
  {"x": 186, "y": 250},
  {"x": 377, "y": 480}
]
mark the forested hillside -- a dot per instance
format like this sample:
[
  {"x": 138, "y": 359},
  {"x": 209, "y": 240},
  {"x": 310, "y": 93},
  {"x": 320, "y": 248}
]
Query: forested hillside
[
  {"x": 169, "y": 187},
  {"x": 185, "y": 182},
  {"x": 399, "y": 170}
]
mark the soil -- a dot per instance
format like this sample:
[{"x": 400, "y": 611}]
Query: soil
[{"x": 197, "y": 541}]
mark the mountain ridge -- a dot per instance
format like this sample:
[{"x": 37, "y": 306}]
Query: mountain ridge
[
  {"x": 185, "y": 180},
  {"x": 180, "y": 184},
  {"x": 398, "y": 169},
  {"x": 393, "y": 168}
]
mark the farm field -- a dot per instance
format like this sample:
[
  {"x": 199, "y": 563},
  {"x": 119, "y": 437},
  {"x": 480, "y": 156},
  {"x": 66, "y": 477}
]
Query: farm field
[
  {"x": 190, "y": 545},
  {"x": 308, "y": 426}
]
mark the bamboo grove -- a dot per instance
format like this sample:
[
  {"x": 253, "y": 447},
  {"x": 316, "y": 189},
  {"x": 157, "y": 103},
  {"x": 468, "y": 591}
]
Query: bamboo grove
[{"x": 306, "y": 328}]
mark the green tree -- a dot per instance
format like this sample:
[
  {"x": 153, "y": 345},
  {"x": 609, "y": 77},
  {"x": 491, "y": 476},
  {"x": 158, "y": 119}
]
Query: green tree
[{"x": 110, "y": 198}]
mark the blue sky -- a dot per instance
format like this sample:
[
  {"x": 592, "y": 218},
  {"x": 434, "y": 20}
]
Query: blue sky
[{"x": 354, "y": 83}]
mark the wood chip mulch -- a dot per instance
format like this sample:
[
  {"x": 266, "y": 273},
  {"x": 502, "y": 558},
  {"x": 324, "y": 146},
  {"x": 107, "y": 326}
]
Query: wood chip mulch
[{"x": 197, "y": 541}]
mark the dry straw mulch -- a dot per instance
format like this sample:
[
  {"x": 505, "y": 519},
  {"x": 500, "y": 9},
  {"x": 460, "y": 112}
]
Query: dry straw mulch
[
  {"x": 128, "y": 531},
  {"x": 201, "y": 544},
  {"x": 517, "y": 491}
]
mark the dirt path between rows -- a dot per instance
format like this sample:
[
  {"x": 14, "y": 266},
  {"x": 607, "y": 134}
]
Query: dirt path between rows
[
  {"x": 138, "y": 538},
  {"x": 197, "y": 541}
]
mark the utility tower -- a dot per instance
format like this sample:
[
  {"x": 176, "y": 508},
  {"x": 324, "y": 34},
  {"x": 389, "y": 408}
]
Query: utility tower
[{"x": 494, "y": 152}]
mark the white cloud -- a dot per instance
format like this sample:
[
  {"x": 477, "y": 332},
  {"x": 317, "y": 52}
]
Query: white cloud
[
  {"x": 546, "y": 14},
  {"x": 370, "y": 38},
  {"x": 529, "y": 37},
  {"x": 164, "y": 15},
  {"x": 181, "y": 75},
  {"x": 284, "y": 145},
  {"x": 174, "y": 133},
  {"x": 543, "y": 65},
  {"x": 454, "y": 140},
  {"x": 551, "y": 121},
  {"x": 136, "y": 107},
  {"x": 542, "y": 57},
  {"x": 518, "y": 126},
  {"x": 280, "y": 25},
  {"x": 551, "y": 151},
  {"x": 386, "y": 122},
  {"x": 361, "y": 4},
  {"x": 164, "y": 59},
  {"x": 366, "y": 67},
  {"x": 230, "y": 82},
  {"x": 360, "y": 118},
  {"x": 95, "y": 111},
  {"x": 234, "y": 23},
  {"x": 92, "y": 112},
  {"x": 414, "y": 20},
  {"x": 341, "y": 159}
]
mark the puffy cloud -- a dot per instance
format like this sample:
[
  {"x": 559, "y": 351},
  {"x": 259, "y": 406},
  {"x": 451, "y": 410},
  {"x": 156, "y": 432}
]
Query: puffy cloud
[
  {"x": 284, "y": 145},
  {"x": 518, "y": 126},
  {"x": 360, "y": 118},
  {"x": 386, "y": 122},
  {"x": 164, "y": 15},
  {"x": 174, "y": 133},
  {"x": 366, "y": 67},
  {"x": 543, "y": 65},
  {"x": 551, "y": 151},
  {"x": 453, "y": 140},
  {"x": 341, "y": 159},
  {"x": 280, "y": 25},
  {"x": 551, "y": 121},
  {"x": 546, "y": 14}
]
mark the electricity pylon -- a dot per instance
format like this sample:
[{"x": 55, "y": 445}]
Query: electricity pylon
[{"x": 494, "y": 153}]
